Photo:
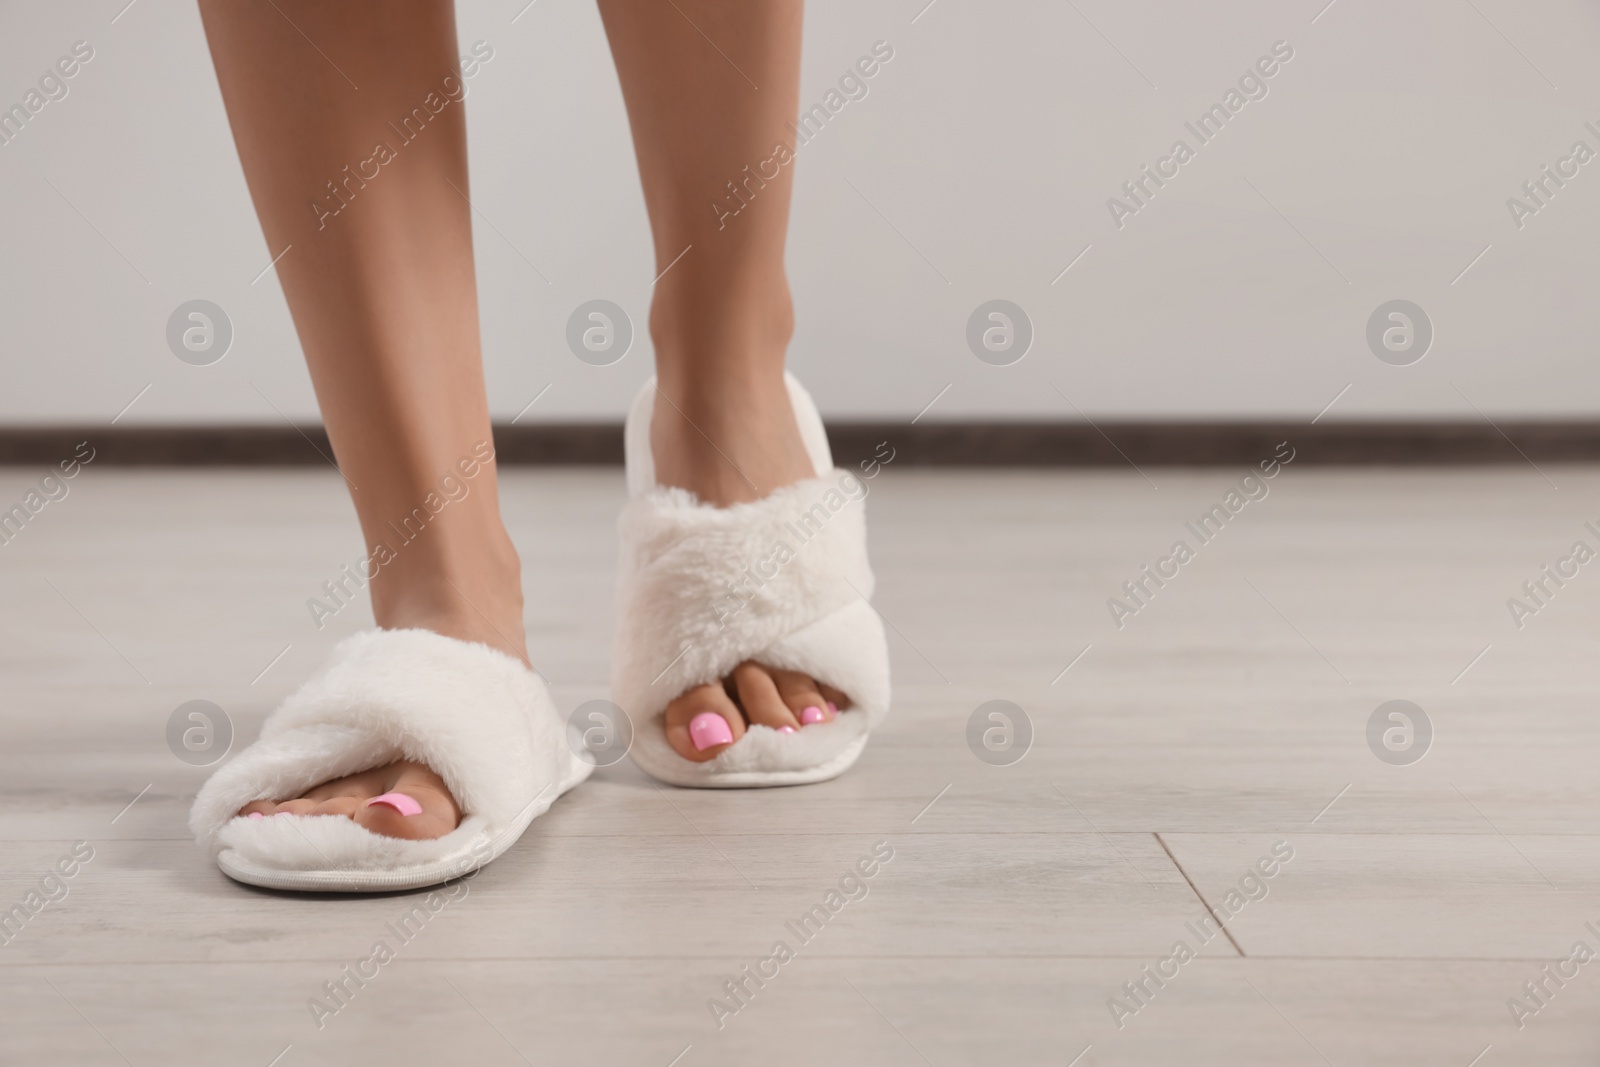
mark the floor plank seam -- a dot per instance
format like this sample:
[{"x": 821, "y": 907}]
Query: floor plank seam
[{"x": 1199, "y": 895}]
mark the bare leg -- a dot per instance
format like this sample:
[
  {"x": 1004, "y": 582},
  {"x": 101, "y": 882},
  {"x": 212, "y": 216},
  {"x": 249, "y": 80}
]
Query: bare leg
[
  {"x": 383, "y": 296},
  {"x": 722, "y": 316}
]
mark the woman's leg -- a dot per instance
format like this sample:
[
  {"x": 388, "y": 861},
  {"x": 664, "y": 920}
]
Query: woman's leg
[
  {"x": 380, "y": 280},
  {"x": 711, "y": 86}
]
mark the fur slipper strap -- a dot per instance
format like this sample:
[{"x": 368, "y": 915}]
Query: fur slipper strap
[
  {"x": 481, "y": 719},
  {"x": 705, "y": 588}
]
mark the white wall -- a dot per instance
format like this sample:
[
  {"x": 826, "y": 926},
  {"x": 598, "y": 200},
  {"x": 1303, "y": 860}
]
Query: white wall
[{"x": 992, "y": 140}]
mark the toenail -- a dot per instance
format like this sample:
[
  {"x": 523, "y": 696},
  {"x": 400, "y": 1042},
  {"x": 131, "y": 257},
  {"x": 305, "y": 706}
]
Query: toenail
[
  {"x": 786, "y": 729},
  {"x": 277, "y": 813},
  {"x": 833, "y": 707},
  {"x": 707, "y": 729},
  {"x": 405, "y": 805},
  {"x": 257, "y": 815},
  {"x": 812, "y": 715}
]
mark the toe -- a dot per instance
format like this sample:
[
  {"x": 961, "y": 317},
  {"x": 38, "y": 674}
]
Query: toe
[
  {"x": 258, "y": 807},
  {"x": 802, "y": 696},
  {"x": 836, "y": 700},
  {"x": 434, "y": 820},
  {"x": 299, "y": 806},
  {"x": 761, "y": 698},
  {"x": 692, "y": 727},
  {"x": 409, "y": 801},
  {"x": 337, "y": 806}
]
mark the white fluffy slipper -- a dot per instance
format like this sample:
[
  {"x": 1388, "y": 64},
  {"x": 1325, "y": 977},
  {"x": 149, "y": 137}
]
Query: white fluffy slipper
[
  {"x": 481, "y": 719},
  {"x": 783, "y": 581}
]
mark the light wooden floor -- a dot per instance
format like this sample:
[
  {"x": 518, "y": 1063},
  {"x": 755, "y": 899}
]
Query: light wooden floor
[{"x": 1227, "y": 716}]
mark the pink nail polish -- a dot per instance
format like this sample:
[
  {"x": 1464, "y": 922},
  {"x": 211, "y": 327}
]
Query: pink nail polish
[
  {"x": 707, "y": 729},
  {"x": 405, "y": 805},
  {"x": 257, "y": 815},
  {"x": 786, "y": 729},
  {"x": 812, "y": 715},
  {"x": 833, "y": 707}
]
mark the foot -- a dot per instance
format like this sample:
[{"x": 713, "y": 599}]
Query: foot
[
  {"x": 403, "y": 799},
  {"x": 479, "y": 602},
  {"x": 731, "y": 441}
]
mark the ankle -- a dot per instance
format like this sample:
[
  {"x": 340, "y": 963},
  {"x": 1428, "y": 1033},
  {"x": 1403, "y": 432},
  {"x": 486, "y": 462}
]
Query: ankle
[
  {"x": 728, "y": 343},
  {"x": 715, "y": 398},
  {"x": 471, "y": 595},
  {"x": 728, "y": 443},
  {"x": 494, "y": 624}
]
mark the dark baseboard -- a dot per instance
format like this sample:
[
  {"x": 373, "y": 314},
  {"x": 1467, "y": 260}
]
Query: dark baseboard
[
  {"x": 1208, "y": 444},
  {"x": 929, "y": 444}
]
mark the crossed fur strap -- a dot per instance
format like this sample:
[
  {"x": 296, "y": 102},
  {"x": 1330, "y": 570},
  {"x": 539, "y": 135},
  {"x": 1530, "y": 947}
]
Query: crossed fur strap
[
  {"x": 704, "y": 588},
  {"x": 478, "y": 717}
]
